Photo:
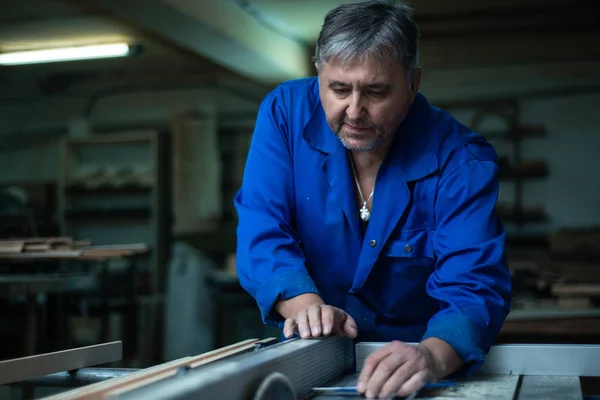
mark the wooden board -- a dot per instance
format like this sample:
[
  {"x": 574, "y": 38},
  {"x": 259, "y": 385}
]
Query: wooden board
[
  {"x": 64, "y": 248},
  {"x": 132, "y": 381},
  {"x": 11, "y": 247},
  {"x": 192, "y": 363},
  {"x": 20, "y": 369}
]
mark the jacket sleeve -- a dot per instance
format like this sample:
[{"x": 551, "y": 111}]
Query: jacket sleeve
[
  {"x": 471, "y": 281},
  {"x": 269, "y": 261}
]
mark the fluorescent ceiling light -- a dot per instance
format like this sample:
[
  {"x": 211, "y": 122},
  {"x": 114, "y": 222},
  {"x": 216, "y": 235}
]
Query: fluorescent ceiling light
[{"x": 65, "y": 54}]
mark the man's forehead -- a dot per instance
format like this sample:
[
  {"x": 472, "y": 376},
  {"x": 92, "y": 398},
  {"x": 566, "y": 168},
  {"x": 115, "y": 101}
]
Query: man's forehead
[{"x": 364, "y": 71}]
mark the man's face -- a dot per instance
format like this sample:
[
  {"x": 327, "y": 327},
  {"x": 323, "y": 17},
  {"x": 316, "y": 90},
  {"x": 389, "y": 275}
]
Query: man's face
[{"x": 365, "y": 101}]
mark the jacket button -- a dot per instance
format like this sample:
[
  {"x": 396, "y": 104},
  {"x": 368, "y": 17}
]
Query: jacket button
[
  {"x": 373, "y": 242},
  {"x": 408, "y": 248}
]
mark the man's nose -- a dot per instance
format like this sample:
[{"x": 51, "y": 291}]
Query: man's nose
[{"x": 355, "y": 110}]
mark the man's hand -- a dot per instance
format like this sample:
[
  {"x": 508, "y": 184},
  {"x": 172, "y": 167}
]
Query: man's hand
[
  {"x": 320, "y": 319},
  {"x": 309, "y": 316},
  {"x": 397, "y": 368}
]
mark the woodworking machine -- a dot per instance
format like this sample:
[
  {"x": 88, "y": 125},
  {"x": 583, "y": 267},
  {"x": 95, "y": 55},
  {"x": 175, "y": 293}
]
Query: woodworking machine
[{"x": 268, "y": 369}]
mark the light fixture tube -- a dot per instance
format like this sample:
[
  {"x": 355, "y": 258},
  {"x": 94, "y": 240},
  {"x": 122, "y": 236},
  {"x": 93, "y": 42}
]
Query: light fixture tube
[{"x": 65, "y": 54}]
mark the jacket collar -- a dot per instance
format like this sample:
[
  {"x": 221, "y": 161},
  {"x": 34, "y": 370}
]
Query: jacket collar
[{"x": 413, "y": 150}]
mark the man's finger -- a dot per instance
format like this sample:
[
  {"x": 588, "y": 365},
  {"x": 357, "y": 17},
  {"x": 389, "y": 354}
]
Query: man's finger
[
  {"x": 314, "y": 320},
  {"x": 303, "y": 326},
  {"x": 350, "y": 329},
  {"x": 328, "y": 319},
  {"x": 370, "y": 364},
  {"x": 383, "y": 372},
  {"x": 288, "y": 327},
  {"x": 402, "y": 375},
  {"x": 338, "y": 317},
  {"x": 414, "y": 383}
]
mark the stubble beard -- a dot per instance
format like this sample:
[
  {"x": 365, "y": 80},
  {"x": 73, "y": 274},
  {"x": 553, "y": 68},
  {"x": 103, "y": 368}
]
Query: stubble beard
[{"x": 370, "y": 143}]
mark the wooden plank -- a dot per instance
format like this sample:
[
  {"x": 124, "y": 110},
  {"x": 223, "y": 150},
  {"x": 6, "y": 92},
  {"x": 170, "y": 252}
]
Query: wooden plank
[
  {"x": 37, "y": 247},
  {"x": 557, "y": 326},
  {"x": 53, "y": 254},
  {"x": 99, "y": 390},
  {"x": 114, "y": 138},
  {"x": 95, "y": 388},
  {"x": 39, "y": 240},
  {"x": 20, "y": 369},
  {"x": 106, "y": 253},
  {"x": 53, "y": 240},
  {"x": 576, "y": 289},
  {"x": 80, "y": 243},
  {"x": 65, "y": 248},
  {"x": 128, "y": 247},
  {"x": 193, "y": 363},
  {"x": 12, "y": 247}
]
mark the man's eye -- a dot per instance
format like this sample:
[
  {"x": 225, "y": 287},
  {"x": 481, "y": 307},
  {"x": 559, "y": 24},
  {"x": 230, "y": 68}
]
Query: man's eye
[
  {"x": 340, "y": 91},
  {"x": 376, "y": 93}
]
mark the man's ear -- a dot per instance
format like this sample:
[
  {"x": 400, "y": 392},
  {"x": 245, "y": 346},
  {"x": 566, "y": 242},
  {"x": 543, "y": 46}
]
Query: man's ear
[{"x": 416, "y": 81}]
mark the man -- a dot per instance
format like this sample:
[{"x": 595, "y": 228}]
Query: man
[{"x": 367, "y": 212}]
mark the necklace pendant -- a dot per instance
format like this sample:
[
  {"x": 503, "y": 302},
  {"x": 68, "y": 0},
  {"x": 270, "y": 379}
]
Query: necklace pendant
[{"x": 365, "y": 215}]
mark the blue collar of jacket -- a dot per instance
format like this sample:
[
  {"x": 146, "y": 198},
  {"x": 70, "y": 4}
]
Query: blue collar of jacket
[{"x": 413, "y": 151}]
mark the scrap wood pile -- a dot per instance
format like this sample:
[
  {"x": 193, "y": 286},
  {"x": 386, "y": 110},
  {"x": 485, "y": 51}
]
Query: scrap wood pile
[
  {"x": 567, "y": 276},
  {"x": 64, "y": 248}
]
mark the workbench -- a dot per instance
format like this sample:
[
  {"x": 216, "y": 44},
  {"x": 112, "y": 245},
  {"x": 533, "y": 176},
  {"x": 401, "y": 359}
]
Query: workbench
[{"x": 268, "y": 369}]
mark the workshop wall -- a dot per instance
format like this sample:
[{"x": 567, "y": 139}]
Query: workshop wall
[
  {"x": 38, "y": 159},
  {"x": 569, "y": 194},
  {"x": 571, "y": 191},
  {"x": 36, "y": 162}
]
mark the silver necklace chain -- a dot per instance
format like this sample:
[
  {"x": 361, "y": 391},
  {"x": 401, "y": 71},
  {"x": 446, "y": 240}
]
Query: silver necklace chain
[{"x": 365, "y": 214}]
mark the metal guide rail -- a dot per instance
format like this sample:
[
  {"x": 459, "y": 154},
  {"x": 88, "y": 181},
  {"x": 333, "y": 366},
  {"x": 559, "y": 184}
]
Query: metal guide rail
[{"x": 266, "y": 369}]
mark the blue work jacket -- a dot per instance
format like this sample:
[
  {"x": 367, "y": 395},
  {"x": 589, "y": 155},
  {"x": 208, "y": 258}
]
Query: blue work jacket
[{"x": 430, "y": 263}]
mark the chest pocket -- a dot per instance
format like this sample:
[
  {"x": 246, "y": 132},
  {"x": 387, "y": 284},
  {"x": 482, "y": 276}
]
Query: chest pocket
[
  {"x": 397, "y": 282},
  {"x": 407, "y": 249}
]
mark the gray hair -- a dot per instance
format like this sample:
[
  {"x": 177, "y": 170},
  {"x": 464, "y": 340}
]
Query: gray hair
[{"x": 366, "y": 29}]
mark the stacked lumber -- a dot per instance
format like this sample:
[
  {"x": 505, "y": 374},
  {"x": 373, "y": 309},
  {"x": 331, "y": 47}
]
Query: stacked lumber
[
  {"x": 64, "y": 248},
  {"x": 576, "y": 256},
  {"x": 566, "y": 276},
  {"x": 576, "y": 295}
]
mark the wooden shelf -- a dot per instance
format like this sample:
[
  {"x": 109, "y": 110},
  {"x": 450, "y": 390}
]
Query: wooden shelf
[
  {"x": 125, "y": 214},
  {"x": 117, "y": 185},
  {"x": 112, "y": 139},
  {"x": 512, "y": 168},
  {"x": 108, "y": 190}
]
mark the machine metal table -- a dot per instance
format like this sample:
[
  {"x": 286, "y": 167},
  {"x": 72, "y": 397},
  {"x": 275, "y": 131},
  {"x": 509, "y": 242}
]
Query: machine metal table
[{"x": 265, "y": 370}]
